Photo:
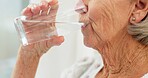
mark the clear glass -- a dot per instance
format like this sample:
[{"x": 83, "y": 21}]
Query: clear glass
[{"x": 32, "y": 30}]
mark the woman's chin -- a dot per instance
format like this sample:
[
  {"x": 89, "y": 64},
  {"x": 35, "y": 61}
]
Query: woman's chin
[
  {"x": 92, "y": 43},
  {"x": 88, "y": 42}
]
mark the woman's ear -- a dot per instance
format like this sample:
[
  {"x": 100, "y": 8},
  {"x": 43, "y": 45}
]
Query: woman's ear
[{"x": 140, "y": 11}]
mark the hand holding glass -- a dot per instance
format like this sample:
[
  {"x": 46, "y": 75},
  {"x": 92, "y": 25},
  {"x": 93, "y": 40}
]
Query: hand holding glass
[{"x": 46, "y": 24}]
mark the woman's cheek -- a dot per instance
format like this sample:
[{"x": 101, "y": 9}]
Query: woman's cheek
[
  {"x": 96, "y": 21},
  {"x": 93, "y": 14}
]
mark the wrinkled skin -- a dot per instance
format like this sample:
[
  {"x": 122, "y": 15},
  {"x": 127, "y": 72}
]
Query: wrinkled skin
[
  {"x": 107, "y": 18},
  {"x": 106, "y": 31},
  {"x": 33, "y": 12}
]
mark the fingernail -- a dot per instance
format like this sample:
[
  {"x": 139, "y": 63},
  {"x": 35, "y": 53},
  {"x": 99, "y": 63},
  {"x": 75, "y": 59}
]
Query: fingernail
[
  {"x": 40, "y": 13},
  {"x": 48, "y": 10}
]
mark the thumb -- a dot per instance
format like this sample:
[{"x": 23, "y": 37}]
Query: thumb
[{"x": 55, "y": 41}]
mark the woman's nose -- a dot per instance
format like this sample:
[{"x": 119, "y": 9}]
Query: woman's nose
[{"x": 80, "y": 7}]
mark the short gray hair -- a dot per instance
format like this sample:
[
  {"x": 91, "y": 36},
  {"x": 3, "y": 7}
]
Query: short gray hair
[{"x": 140, "y": 31}]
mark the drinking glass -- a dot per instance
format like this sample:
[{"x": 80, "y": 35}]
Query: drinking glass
[{"x": 65, "y": 21}]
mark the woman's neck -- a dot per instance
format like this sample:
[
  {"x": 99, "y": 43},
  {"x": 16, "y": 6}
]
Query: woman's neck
[{"x": 124, "y": 56}]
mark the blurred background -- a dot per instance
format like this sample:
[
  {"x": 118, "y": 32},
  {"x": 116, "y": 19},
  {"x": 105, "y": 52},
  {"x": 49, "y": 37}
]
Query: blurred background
[
  {"x": 54, "y": 61},
  {"x": 8, "y": 37}
]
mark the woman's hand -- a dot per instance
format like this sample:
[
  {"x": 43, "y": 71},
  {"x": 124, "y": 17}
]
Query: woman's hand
[
  {"x": 29, "y": 56},
  {"x": 44, "y": 11}
]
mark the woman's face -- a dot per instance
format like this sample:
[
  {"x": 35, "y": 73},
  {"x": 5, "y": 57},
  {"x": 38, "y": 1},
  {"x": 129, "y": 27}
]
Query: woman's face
[{"x": 104, "y": 18}]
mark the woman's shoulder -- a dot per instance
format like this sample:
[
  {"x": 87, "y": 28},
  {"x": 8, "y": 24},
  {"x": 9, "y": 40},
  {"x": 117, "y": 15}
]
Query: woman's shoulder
[{"x": 86, "y": 67}]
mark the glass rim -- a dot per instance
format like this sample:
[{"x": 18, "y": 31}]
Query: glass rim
[{"x": 20, "y": 31}]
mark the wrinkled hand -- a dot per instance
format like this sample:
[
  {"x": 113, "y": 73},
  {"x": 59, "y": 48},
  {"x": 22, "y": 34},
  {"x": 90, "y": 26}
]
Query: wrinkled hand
[{"x": 44, "y": 11}]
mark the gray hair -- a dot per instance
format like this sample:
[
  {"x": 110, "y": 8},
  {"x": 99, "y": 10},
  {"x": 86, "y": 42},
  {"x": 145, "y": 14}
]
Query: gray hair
[{"x": 139, "y": 31}]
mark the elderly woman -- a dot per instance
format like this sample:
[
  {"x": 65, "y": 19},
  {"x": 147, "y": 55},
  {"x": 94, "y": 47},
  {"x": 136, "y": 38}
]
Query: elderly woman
[{"x": 117, "y": 29}]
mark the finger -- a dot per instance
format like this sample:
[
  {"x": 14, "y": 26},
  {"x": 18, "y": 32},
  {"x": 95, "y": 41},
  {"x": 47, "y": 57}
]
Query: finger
[
  {"x": 45, "y": 8},
  {"x": 27, "y": 12},
  {"x": 48, "y": 11},
  {"x": 58, "y": 40},
  {"x": 35, "y": 9},
  {"x": 45, "y": 11},
  {"x": 44, "y": 5},
  {"x": 55, "y": 41},
  {"x": 53, "y": 2}
]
